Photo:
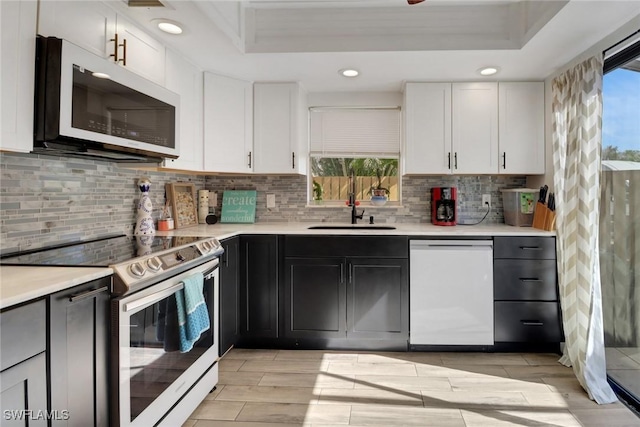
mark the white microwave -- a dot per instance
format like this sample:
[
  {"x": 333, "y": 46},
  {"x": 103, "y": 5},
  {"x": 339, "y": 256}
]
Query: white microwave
[{"x": 86, "y": 105}]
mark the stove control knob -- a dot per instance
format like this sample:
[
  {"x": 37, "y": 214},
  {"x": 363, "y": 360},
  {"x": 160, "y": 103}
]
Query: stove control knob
[
  {"x": 137, "y": 269},
  {"x": 179, "y": 256},
  {"x": 206, "y": 246},
  {"x": 154, "y": 264}
]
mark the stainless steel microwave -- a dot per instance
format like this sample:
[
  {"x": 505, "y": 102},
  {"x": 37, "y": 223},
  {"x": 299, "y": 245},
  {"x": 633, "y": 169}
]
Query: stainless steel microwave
[{"x": 86, "y": 105}]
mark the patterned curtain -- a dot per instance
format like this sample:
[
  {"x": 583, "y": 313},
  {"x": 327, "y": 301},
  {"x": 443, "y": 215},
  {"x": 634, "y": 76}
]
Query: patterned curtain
[{"x": 577, "y": 131}]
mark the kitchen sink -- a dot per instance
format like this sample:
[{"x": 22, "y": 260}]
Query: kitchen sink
[{"x": 352, "y": 227}]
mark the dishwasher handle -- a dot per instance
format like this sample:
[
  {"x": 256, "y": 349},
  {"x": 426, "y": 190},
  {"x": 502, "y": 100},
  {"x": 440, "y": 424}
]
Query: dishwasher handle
[{"x": 449, "y": 244}]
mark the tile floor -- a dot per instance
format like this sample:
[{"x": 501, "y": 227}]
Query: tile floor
[{"x": 265, "y": 388}]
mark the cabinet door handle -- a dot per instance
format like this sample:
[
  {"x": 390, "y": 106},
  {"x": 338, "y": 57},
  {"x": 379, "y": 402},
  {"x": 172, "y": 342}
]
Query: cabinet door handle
[
  {"x": 249, "y": 159},
  {"x": 293, "y": 160},
  {"x": 531, "y": 322},
  {"x": 114, "y": 55},
  {"x": 124, "y": 52},
  {"x": 341, "y": 273},
  {"x": 449, "y": 160},
  {"x": 527, "y": 280},
  {"x": 455, "y": 160},
  {"x": 350, "y": 273},
  {"x": 88, "y": 294},
  {"x": 504, "y": 160},
  {"x": 531, "y": 248}
]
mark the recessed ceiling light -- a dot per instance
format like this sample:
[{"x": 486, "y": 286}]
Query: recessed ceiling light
[
  {"x": 349, "y": 72},
  {"x": 170, "y": 27},
  {"x": 488, "y": 71},
  {"x": 101, "y": 75}
]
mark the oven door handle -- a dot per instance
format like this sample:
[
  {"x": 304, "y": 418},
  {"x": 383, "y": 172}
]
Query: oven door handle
[
  {"x": 209, "y": 268},
  {"x": 150, "y": 299}
]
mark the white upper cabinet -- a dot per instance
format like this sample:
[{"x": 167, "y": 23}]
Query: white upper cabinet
[
  {"x": 228, "y": 124},
  {"x": 186, "y": 80},
  {"x": 280, "y": 128},
  {"x": 521, "y": 122},
  {"x": 474, "y": 128},
  {"x": 139, "y": 52},
  {"x": 474, "y": 132},
  {"x": 18, "y": 33},
  {"x": 427, "y": 117},
  {"x": 88, "y": 24},
  {"x": 96, "y": 27}
]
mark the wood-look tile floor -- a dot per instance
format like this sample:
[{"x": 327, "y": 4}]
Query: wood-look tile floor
[{"x": 266, "y": 388}]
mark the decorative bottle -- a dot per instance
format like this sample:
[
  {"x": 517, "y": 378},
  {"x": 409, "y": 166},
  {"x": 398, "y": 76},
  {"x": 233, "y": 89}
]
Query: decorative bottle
[{"x": 144, "y": 220}]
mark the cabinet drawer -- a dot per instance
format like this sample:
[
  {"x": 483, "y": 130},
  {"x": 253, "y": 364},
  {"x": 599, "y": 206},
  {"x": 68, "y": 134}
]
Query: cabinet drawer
[
  {"x": 524, "y": 247},
  {"x": 527, "y": 322},
  {"x": 525, "y": 279},
  {"x": 23, "y": 333}
]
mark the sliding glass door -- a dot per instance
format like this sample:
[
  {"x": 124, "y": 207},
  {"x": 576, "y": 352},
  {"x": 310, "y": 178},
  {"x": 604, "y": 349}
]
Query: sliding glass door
[{"x": 620, "y": 218}]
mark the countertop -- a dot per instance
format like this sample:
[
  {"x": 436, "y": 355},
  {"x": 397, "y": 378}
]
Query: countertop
[
  {"x": 223, "y": 231},
  {"x": 21, "y": 284}
]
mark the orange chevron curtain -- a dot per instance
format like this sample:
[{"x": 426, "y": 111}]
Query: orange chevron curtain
[{"x": 577, "y": 139}]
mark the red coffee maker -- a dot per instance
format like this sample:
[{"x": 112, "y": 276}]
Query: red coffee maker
[{"x": 444, "y": 207}]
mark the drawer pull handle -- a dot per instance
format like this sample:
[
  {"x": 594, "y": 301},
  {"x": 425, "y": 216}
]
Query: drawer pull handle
[
  {"x": 527, "y": 280},
  {"x": 531, "y": 322},
  {"x": 88, "y": 294},
  {"x": 531, "y": 248}
]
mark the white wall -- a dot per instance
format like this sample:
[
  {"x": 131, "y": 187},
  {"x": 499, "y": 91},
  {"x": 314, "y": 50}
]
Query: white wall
[
  {"x": 354, "y": 99},
  {"x": 616, "y": 36}
]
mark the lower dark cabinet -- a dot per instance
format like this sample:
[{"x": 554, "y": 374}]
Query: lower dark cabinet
[
  {"x": 315, "y": 298},
  {"x": 531, "y": 322},
  {"x": 229, "y": 328},
  {"x": 78, "y": 354},
  {"x": 23, "y": 364},
  {"x": 356, "y": 299},
  {"x": 258, "y": 292},
  {"x": 378, "y": 299},
  {"x": 23, "y": 389}
]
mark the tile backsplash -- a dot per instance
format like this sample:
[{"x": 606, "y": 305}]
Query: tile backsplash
[
  {"x": 291, "y": 198},
  {"x": 47, "y": 200}
]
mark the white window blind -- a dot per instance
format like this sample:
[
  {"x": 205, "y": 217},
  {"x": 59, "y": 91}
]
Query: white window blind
[{"x": 355, "y": 132}]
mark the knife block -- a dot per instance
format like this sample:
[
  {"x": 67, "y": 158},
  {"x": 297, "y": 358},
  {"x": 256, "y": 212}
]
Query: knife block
[{"x": 543, "y": 218}]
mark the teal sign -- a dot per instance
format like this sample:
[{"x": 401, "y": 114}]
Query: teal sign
[{"x": 239, "y": 206}]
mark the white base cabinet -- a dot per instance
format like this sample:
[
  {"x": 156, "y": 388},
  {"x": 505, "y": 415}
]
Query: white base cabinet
[
  {"x": 18, "y": 58},
  {"x": 228, "y": 124},
  {"x": 451, "y": 292}
]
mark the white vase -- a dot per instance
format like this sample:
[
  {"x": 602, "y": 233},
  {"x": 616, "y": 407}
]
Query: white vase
[{"x": 144, "y": 220}]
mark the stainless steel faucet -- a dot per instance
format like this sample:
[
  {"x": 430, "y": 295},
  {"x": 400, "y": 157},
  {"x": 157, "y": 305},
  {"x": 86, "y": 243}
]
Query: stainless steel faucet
[{"x": 352, "y": 198}]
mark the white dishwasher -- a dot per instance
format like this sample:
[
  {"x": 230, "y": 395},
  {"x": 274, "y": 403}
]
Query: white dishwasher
[{"x": 451, "y": 292}]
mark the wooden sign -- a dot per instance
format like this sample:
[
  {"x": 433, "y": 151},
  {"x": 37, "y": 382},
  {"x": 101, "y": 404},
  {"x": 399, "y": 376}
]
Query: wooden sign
[
  {"x": 182, "y": 198},
  {"x": 238, "y": 206}
]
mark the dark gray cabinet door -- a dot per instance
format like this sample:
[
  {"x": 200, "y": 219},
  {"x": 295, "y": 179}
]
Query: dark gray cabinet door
[
  {"x": 377, "y": 298},
  {"x": 259, "y": 286},
  {"x": 23, "y": 388},
  {"x": 78, "y": 351},
  {"x": 314, "y": 298},
  {"x": 229, "y": 302}
]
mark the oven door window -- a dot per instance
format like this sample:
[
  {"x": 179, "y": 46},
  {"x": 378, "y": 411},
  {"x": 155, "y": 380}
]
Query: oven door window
[{"x": 155, "y": 360}]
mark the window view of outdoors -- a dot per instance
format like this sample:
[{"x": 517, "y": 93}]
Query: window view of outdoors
[
  {"x": 620, "y": 225},
  {"x": 330, "y": 178}
]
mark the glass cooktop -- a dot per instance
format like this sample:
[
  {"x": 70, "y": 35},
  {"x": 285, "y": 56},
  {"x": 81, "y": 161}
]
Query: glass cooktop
[{"x": 101, "y": 252}]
